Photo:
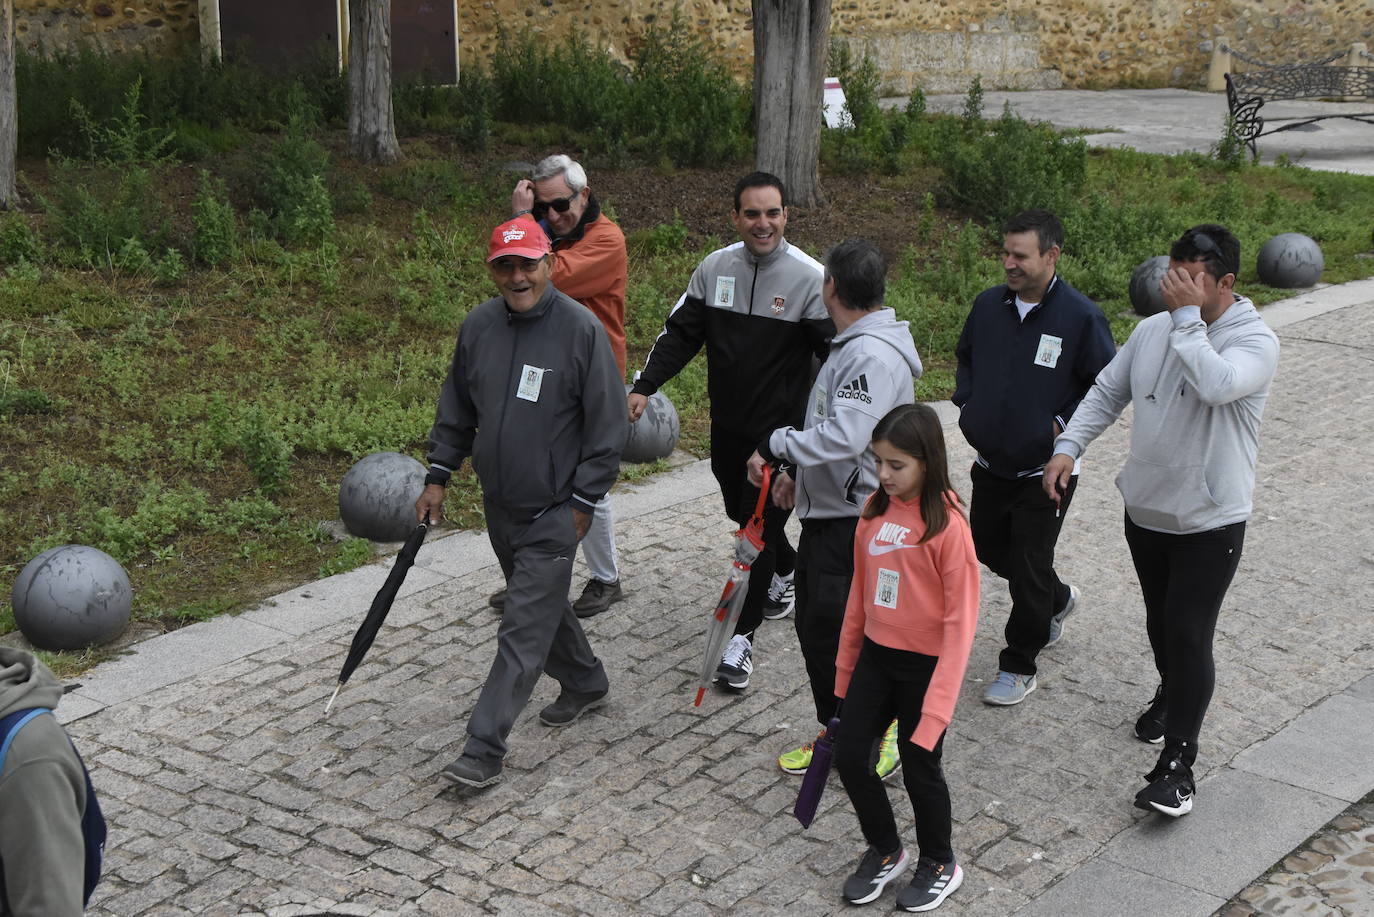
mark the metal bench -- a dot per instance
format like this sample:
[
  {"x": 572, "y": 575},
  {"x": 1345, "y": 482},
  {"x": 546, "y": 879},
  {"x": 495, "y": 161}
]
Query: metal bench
[{"x": 1247, "y": 92}]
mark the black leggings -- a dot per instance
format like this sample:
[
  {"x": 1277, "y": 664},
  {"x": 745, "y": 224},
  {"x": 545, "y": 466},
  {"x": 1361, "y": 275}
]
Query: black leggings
[
  {"x": 1183, "y": 579},
  {"x": 890, "y": 683}
]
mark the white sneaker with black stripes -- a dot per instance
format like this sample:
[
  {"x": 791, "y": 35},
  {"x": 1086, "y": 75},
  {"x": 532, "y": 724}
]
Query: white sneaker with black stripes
[{"x": 782, "y": 597}]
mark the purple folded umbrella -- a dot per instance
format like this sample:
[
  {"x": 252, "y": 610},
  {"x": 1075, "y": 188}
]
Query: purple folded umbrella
[{"x": 817, "y": 772}]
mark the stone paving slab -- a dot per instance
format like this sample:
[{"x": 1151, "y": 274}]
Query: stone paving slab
[{"x": 228, "y": 792}]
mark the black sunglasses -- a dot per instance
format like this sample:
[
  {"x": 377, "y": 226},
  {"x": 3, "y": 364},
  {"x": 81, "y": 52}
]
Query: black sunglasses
[
  {"x": 559, "y": 204},
  {"x": 1208, "y": 248}
]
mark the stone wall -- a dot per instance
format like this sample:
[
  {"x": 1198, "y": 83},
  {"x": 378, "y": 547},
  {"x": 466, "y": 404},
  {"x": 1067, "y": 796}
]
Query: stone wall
[
  {"x": 928, "y": 43},
  {"x": 60, "y": 25}
]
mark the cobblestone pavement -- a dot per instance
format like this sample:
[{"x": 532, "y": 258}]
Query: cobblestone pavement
[
  {"x": 1332, "y": 875},
  {"x": 229, "y": 792}
]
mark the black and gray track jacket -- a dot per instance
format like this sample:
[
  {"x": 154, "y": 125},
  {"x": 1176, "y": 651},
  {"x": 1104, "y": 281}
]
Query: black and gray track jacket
[
  {"x": 1016, "y": 377},
  {"x": 762, "y": 320},
  {"x": 536, "y": 399}
]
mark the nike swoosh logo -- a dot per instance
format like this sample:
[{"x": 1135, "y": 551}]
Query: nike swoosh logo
[{"x": 875, "y": 549}]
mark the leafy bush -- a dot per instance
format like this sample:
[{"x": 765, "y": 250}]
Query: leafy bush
[
  {"x": 18, "y": 241},
  {"x": 213, "y": 216},
  {"x": 265, "y": 451},
  {"x": 93, "y": 214},
  {"x": 124, "y": 139},
  {"x": 170, "y": 269}
]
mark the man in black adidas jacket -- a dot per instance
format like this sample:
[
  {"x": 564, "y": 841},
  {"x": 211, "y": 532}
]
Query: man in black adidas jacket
[
  {"x": 1029, "y": 351},
  {"x": 757, "y": 307},
  {"x": 534, "y": 397}
]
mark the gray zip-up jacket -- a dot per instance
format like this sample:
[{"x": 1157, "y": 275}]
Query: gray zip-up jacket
[
  {"x": 1199, "y": 392},
  {"x": 871, "y": 370},
  {"x": 536, "y": 399},
  {"x": 42, "y": 799}
]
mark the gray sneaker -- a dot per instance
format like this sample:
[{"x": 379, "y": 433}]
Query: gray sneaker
[
  {"x": 470, "y": 771},
  {"x": 569, "y": 706},
  {"x": 1057, "y": 622},
  {"x": 1008, "y": 688}
]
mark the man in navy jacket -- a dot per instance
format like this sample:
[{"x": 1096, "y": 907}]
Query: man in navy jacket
[{"x": 1029, "y": 351}]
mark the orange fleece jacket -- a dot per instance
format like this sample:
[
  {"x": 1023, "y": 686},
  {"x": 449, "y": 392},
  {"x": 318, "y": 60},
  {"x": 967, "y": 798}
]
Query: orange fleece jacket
[
  {"x": 592, "y": 270},
  {"x": 917, "y": 597}
]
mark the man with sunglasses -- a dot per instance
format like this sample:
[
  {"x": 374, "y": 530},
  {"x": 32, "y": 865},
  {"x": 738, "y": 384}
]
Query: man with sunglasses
[
  {"x": 756, "y": 306},
  {"x": 534, "y": 398},
  {"x": 1198, "y": 375},
  {"x": 589, "y": 264}
]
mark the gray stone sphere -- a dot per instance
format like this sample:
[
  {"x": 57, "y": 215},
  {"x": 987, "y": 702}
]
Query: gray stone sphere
[
  {"x": 72, "y": 597},
  {"x": 1290, "y": 260},
  {"x": 655, "y": 434},
  {"x": 377, "y": 496},
  {"x": 1146, "y": 297}
]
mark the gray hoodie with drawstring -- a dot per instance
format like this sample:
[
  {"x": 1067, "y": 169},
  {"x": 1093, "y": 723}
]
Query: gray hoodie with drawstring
[
  {"x": 42, "y": 799},
  {"x": 871, "y": 369},
  {"x": 1199, "y": 392}
]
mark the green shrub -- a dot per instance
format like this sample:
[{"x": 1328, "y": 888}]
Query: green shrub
[
  {"x": 93, "y": 213},
  {"x": 124, "y": 139},
  {"x": 213, "y": 216},
  {"x": 170, "y": 269},
  {"x": 133, "y": 258},
  {"x": 265, "y": 451},
  {"x": 1011, "y": 166},
  {"x": 18, "y": 241},
  {"x": 352, "y": 553}
]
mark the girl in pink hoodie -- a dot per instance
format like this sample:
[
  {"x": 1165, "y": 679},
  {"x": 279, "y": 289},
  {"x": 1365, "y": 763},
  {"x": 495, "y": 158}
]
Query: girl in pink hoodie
[{"x": 908, "y": 629}]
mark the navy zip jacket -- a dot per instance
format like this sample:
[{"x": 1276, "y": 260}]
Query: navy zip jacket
[{"x": 1017, "y": 377}]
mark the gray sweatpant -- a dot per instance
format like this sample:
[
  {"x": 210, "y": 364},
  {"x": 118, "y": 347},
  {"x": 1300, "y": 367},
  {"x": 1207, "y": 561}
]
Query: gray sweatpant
[{"x": 538, "y": 632}]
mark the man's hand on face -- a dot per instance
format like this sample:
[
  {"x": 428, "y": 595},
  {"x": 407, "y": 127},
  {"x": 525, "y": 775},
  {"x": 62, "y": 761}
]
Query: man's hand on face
[
  {"x": 636, "y": 404},
  {"x": 522, "y": 198},
  {"x": 581, "y": 523},
  {"x": 1180, "y": 288}
]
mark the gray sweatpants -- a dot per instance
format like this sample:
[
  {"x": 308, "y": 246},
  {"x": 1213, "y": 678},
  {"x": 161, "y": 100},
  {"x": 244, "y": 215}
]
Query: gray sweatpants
[{"x": 538, "y": 632}]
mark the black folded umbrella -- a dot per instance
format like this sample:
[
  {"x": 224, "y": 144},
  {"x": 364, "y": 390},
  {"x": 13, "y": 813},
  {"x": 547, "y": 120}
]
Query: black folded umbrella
[
  {"x": 817, "y": 772},
  {"x": 381, "y": 606}
]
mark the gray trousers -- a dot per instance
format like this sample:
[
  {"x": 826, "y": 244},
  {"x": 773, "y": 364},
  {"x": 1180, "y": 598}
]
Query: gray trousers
[{"x": 538, "y": 632}]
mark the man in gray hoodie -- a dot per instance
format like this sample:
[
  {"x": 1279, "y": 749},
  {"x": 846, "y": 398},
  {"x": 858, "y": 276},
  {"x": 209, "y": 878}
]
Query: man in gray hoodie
[
  {"x": 534, "y": 397},
  {"x": 870, "y": 370},
  {"x": 42, "y": 799},
  {"x": 1198, "y": 375}
]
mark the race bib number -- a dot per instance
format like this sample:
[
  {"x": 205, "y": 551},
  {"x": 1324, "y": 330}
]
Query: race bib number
[
  {"x": 888, "y": 583},
  {"x": 1047, "y": 354},
  {"x": 531, "y": 380},
  {"x": 725, "y": 292}
]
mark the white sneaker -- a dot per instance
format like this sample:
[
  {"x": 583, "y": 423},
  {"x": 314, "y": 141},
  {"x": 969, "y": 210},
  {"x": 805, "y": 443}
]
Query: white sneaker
[
  {"x": 782, "y": 597},
  {"x": 736, "y": 663}
]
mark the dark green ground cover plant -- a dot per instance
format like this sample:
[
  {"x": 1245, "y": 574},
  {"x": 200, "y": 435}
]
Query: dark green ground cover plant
[{"x": 197, "y": 341}]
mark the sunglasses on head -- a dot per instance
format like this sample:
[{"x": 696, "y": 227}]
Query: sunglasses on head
[{"x": 559, "y": 204}]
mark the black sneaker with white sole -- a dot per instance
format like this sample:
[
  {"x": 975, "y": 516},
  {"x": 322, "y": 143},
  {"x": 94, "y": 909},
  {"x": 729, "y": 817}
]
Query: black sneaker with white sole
[
  {"x": 874, "y": 872},
  {"x": 470, "y": 771},
  {"x": 736, "y": 663},
  {"x": 1171, "y": 787},
  {"x": 932, "y": 883},
  {"x": 782, "y": 597},
  {"x": 1149, "y": 727}
]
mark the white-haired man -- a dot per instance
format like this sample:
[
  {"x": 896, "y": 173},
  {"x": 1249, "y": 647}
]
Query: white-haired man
[{"x": 589, "y": 265}]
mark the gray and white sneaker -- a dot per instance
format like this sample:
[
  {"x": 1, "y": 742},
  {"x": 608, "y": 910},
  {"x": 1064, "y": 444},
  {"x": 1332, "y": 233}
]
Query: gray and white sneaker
[
  {"x": 782, "y": 597},
  {"x": 1008, "y": 688},
  {"x": 931, "y": 884},
  {"x": 1057, "y": 622},
  {"x": 874, "y": 871},
  {"x": 736, "y": 663}
]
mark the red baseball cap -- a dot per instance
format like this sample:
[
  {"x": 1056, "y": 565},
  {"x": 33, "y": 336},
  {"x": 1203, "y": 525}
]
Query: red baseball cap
[{"x": 522, "y": 237}]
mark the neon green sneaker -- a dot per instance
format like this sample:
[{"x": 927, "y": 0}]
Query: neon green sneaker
[
  {"x": 889, "y": 758},
  {"x": 798, "y": 760}
]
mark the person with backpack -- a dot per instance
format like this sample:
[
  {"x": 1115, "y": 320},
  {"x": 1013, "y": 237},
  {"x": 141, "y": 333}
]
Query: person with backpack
[{"x": 51, "y": 830}]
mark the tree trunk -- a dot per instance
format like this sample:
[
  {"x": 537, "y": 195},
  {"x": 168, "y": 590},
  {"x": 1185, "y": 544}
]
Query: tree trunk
[
  {"x": 371, "y": 127},
  {"x": 791, "y": 42},
  {"x": 9, "y": 109}
]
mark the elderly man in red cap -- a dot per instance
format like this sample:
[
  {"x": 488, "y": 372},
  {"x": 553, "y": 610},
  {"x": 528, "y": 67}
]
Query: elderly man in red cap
[{"x": 534, "y": 397}]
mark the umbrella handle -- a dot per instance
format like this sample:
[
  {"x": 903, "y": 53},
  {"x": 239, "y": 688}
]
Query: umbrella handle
[{"x": 763, "y": 493}]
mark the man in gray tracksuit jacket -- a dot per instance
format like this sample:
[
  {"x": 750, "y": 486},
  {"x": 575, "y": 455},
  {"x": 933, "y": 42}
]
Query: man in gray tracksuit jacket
[
  {"x": 870, "y": 370},
  {"x": 534, "y": 397},
  {"x": 1198, "y": 376}
]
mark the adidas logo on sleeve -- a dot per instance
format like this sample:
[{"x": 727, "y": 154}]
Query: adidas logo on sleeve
[{"x": 856, "y": 389}]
